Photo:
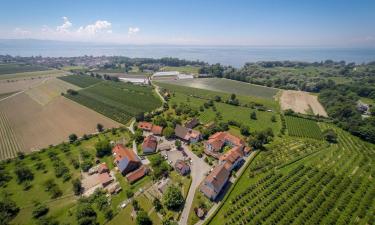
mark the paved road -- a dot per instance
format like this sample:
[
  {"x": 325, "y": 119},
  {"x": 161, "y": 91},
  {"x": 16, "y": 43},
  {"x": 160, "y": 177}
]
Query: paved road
[{"x": 198, "y": 170}]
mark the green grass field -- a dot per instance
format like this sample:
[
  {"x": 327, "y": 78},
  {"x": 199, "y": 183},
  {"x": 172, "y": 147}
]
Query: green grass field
[
  {"x": 182, "y": 69},
  {"x": 228, "y": 86},
  {"x": 300, "y": 127},
  {"x": 116, "y": 100},
  {"x": 227, "y": 112},
  {"x": 19, "y": 68},
  {"x": 80, "y": 80},
  {"x": 209, "y": 94},
  {"x": 305, "y": 181}
]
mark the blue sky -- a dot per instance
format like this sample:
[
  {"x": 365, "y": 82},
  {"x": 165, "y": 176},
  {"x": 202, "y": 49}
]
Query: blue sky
[{"x": 283, "y": 22}]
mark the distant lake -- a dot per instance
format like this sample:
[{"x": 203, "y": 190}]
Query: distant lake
[{"x": 227, "y": 55}]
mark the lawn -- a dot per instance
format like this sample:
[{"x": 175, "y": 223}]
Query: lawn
[
  {"x": 209, "y": 94},
  {"x": 81, "y": 80},
  {"x": 228, "y": 86},
  {"x": 286, "y": 183},
  {"x": 118, "y": 101},
  {"x": 228, "y": 112}
]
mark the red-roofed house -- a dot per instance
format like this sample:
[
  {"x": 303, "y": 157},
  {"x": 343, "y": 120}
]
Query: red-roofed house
[
  {"x": 103, "y": 168},
  {"x": 125, "y": 159},
  {"x": 105, "y": 179},
  {"x": 219, "y": 140},
  {"x": 233, "y": 158},
  {"x": 147, "y": 126},
  {"x": 215, "y": 181},
  {"x": 137, "y": 174},
  {"x": 187, "y": 134},
  {"x": 149, "y": 144},
  {"x": 182, "y": 167}
]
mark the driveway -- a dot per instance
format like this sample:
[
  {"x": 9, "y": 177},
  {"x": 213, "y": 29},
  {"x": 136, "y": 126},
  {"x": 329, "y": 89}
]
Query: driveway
[{"x": 198, "y": 170}]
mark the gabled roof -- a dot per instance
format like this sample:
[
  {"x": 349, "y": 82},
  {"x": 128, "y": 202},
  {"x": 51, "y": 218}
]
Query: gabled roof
[
  {"x": 185, "y": 133},
  {"x": 157, "y": 130},
  {"x": 105, "y": 178},
  {"x": 120, "y": 152},
  {"x": 180, "y": 165},
  {"x": 145, "y": 125},
  {"x": 218, "y": 140},
  {"x": 232, "y": 155},
  {"x": 150, "y": 142},
  {"x": 218, "y": 177},
  {"x": 136, "y": 174},
  {"x": 192, "y": 123}
]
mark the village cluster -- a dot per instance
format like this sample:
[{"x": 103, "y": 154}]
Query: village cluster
[{"x": 228, "y": 150}]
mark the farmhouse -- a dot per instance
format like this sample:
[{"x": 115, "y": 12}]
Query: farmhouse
[
  {"x": 186, "y": 134},
  {"x": 137, "y": 174},
  {"x": 233, "y": 158},
  {"x": 149, "y": 144},
  {"x": 216, "y": 142},
  {"x": 182, "y": 167},
  {"x": 149, "y": 127},
  {"x": 125, "y": 159},
  {"x": 215, "y": 181}
]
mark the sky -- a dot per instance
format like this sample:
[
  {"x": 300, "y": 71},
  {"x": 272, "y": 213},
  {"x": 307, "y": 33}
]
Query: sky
[{"x": 347, "y": 23}]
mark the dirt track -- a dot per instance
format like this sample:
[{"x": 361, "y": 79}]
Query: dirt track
[{"x": 301, "y": 102}]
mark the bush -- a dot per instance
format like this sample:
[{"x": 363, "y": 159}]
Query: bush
[
  {"x": 8, "y": 209},
  {"x": 103, "y": 148},
  {"x": 143, "y": 219},
  {"x": 77, "y": 186},
  {"x": 39, "y": 210},
  {"x": 23, "y": 173}
]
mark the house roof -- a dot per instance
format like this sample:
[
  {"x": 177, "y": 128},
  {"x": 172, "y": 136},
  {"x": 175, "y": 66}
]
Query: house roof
[
  {"x": 150, "y": 142},
  {"x": 185, "y": 133},
  {"x": 232, "y": 155},
  {"x": 156, "y": 129},
  {"x": 145, "y": 125},
  {"x": 218, "y": 140},
  {"x": 120, "y": 152},
  {"x": 137, "y": 174},
  {"x": 180, "y": 165},
  {"x": 105, "y": 178},
  {"x": 103, "y": 167},
  {"x": 192, "y": 123},
  {"x": 218, "y": 177}
]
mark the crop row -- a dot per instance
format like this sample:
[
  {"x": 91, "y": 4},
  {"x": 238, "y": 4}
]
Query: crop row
[
  {"x": 301, "y": 127},
  {"x": 9, "y": 145}
]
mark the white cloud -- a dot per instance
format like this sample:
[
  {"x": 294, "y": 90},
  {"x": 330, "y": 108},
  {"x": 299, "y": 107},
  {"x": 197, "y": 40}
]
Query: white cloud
[
  {"x": 97, "y": 27},
  {"x": 20, "y": 32},
  {"x": 133, "y": 30},
  {"x": 64, "y": 28}
]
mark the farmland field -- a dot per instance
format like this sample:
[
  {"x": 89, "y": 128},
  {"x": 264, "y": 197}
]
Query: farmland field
[
  {"x": 19, "y": 68},
  {"x": 33, "y": 75},
  {"x": 118, "y": 101},
  {"x": 6, "y": 94},
  {"x": 301, "y": 181},
  {"x": 37, "y": 126},
  {"x": 9, "y": 145},
  {"x": 301, "y": 127},
  {"x": 80, "y": 80},
  {"x": 302, "y": 102},
  {"x": 49, "y": 90},
  {"x": 228, "y": 86}
]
